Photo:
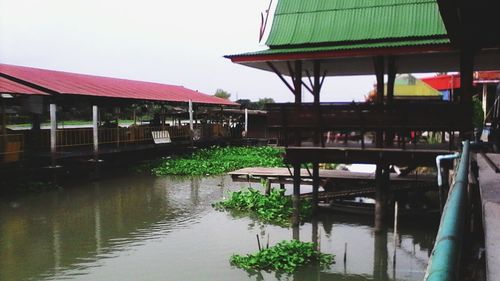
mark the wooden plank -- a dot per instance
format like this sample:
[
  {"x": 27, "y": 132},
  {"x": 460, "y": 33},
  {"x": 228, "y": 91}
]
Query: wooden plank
[{"x": 283, "y": 173}]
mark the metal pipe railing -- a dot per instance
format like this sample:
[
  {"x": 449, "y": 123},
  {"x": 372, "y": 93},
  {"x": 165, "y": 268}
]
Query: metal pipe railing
[{"x": 444, "y": 261}]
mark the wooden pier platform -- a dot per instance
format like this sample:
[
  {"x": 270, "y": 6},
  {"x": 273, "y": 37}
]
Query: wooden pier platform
[
  {"x": 363, "y": 182},
  {"x": 489, "y": 184}
]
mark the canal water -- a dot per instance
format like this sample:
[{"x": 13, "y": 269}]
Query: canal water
[{"x": 148, "y": 228}]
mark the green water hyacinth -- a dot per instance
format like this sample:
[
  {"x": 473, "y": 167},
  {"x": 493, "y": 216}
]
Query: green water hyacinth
[
  {"x": 220, "y": 160},
  {"x": 275, "y": 208},
  {"x": 286, "y": 256}
]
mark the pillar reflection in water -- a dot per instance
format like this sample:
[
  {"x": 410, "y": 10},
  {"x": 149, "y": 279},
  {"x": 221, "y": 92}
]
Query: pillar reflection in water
[{"x": 380, "y": 255}]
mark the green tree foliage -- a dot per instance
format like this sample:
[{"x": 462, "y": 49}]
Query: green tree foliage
[
  {"x": 285, "y": 256},
  {"x": 222, "y": 94},
  {"x": 259, "y": 105}
]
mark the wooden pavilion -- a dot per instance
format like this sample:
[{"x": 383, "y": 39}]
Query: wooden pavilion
[
  {"x": 101, "y": 100},
  {"x": 311, "y": 40}
]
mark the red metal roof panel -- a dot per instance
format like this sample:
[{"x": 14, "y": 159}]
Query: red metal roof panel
[
  {"x": 67, "y": 83},
  {"x": 10, "y": 87},
  {"x": 443, "y": 82}
]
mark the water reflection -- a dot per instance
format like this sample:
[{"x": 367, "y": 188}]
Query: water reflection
[{"x": 144, "y": 228}]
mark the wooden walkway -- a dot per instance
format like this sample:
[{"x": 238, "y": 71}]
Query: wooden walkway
[
  {"x": 336, "y": 183},
  {"x": 489, "y": 184}
]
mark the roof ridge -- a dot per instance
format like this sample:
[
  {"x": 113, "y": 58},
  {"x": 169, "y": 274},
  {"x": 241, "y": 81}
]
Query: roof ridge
[{"x": 357, "y": 8}]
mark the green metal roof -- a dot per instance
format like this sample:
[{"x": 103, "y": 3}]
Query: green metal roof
[
  {"x": 299, "y": 22},
  {"x": 347, "y": 47}
]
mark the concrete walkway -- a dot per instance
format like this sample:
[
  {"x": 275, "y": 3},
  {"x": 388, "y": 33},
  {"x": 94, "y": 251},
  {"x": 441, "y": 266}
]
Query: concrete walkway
[{"x": 489, "y": 183}]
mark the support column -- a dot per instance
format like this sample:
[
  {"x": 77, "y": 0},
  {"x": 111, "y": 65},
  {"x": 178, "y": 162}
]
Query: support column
[
  {"x": 485, "y": 100},
  {"x": 296, "y": 195},
  {"x": 315, "y": 190},
  {"x": 379, "y": 99},
  {"x": 466, "y": 75},
  {"x": 381, "y": 193},
  {"x": 246, "y": 121},
  {"x": 297, "y": 84},
  {"x": 95, "y": 131},
  {"x": 4, "y": 119},
  {"x": 391, "y": 77},
  {"x": 190, "y": 109},
  {"x": 466, "y": 83},
  {"x": 53, "y": 133},
  {"x": 316, "y": 87}
]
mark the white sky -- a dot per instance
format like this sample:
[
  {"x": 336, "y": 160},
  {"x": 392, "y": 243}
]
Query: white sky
[{"x": 166, "y": 41}]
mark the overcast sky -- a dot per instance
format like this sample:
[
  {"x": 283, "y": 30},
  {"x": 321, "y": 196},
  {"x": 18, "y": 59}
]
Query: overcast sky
[{"x": 166, "y": 41}]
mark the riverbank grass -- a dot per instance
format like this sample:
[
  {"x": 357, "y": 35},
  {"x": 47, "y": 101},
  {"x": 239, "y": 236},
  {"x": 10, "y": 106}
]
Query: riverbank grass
[
  {"x": 275, "y": 208},
  {"x": 219, "y": 160},
  {"x": 286, "y": 256}
]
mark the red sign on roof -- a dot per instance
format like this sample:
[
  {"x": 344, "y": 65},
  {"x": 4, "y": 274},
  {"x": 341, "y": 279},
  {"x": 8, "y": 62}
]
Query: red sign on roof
[{"x": 67, "y": 83}]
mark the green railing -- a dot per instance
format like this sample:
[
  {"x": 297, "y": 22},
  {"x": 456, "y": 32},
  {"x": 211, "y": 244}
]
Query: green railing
[{"x": 444, "y": 263}]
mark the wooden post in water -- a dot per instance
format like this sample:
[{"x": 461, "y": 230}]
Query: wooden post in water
[
  {"x": 381, "y": 190},
  {"x": 53, "y": 133},
  {"x": 315, "y": 187},
  {"x": 395, "y": 234},
  {"x": 296, "y": 194}
]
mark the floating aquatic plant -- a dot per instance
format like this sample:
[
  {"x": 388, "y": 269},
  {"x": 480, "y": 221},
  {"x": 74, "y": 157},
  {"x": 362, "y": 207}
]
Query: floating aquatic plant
[
  {"x": 275, "y": 208},
  {"x": 218, "y": 160},
  {"x": 285, "y": 256}
]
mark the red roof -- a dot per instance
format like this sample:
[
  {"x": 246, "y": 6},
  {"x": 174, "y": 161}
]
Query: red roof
[
  {"x": 452, "y": 81},
  {"x": 10, "y": 87},
  {"x": 443, "y": 82},
  {"x": 67, "y": 83}
]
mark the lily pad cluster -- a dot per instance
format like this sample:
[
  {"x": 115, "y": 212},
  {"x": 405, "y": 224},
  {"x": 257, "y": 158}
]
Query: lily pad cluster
[
  {"x": 286, "y": 256},
  {"x": 275, "y": 208},
  {"x": 218, "y": 160}
]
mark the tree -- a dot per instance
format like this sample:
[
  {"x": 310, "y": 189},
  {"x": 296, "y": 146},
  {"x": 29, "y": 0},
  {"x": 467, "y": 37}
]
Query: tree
[
  {"x": 261, "y": 103},
  {"x": 222, "y": 94}
]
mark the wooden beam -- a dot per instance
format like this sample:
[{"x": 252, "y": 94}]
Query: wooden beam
[{"x": 276, "y": 71}]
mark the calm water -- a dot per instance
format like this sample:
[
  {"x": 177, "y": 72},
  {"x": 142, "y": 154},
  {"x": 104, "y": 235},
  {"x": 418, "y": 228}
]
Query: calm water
[{"x": 145, "y": 228}]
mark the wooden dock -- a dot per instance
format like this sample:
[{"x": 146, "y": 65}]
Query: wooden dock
[{"x": 345, "y": 183}]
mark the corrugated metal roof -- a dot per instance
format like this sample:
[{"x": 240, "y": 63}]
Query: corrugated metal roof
[
  {"x": 81, "y": 84},
  {"x": 284, "y": 51},
  {"x": 298, "y": 22},
  {"x": 10, "y": 87}
]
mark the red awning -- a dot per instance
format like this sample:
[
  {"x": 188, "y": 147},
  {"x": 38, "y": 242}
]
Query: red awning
[
  {"x": 67, "y": 83},
  {"x": 10, "y": 87}
]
